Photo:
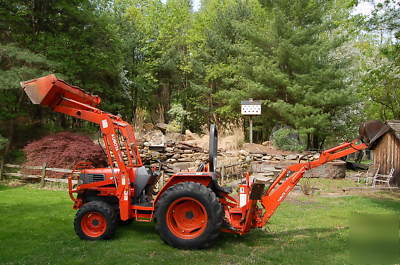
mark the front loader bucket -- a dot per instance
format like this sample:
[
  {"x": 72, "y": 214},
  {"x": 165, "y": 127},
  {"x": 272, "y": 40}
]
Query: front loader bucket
[
  {"x": 50, "y": 90},
  {"x": 371, "y": 131}
]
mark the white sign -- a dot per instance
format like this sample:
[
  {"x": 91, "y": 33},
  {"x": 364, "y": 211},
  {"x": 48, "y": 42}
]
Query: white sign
[{"x": 251, "y": 108}]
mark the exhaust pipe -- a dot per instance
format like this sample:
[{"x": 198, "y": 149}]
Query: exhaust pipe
[
  {"x": 371, "y": 131},
  {"x": 213, "y": 148}
]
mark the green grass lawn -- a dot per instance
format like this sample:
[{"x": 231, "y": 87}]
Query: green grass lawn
[{"x": 36, "y": 228}]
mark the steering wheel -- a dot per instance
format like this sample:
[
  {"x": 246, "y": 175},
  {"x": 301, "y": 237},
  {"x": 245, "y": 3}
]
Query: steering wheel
[
  {"x": 213, "y": 148},
  {"x": 201, "y": 167}
]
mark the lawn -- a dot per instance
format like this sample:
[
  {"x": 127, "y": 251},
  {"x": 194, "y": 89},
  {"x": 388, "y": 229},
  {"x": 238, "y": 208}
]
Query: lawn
[{"x": 36, "y": 228}]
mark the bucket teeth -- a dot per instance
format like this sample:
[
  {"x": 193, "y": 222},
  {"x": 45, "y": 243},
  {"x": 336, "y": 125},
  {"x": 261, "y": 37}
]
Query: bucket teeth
[{"x": 371, "y": 131}]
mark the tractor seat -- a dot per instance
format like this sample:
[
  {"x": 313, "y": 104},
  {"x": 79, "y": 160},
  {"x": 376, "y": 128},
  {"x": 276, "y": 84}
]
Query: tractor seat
[
  {"x": 143, "y": 177},
  {"x": 225, "y": 189}
]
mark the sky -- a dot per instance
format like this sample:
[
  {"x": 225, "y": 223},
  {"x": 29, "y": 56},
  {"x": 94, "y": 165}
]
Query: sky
[
  {"x": 363, "y": 8},
  {"x": 196, "y": 5}
]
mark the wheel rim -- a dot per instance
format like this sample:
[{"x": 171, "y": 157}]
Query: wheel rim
[
  {"x": 187, "y": 218},
  {"x": 93, "y": 224}
]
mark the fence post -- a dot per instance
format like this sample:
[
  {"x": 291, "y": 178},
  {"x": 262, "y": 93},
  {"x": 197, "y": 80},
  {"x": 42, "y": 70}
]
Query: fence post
[
  {"x": 1, "y": 169},
  {"x": 223, "y": 175},
  {"x": 42, "y": 181}
]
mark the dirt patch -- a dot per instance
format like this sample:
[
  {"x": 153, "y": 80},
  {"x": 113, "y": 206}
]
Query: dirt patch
[
  {"x": 262, "y": 149},
  {"x": 335, "y": 195},
  {"x": 14, "y": 183},
  {"x": 300, "y": 202}
]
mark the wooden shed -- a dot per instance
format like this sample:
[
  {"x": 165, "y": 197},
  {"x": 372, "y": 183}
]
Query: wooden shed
[{"x": 386, "y": 154}]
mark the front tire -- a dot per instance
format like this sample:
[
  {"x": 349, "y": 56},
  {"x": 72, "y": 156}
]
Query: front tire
[
  {"x": 95, "y": 220},
  {"x": 189, "y": 216}
]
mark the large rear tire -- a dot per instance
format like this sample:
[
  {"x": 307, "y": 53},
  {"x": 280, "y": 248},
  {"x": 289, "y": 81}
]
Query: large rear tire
[
  {"x": 95, "y": 220},
  {"x": 189, "y": 216}
]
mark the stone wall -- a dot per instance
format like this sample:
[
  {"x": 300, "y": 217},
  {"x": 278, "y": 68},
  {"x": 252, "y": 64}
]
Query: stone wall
[{"x": 182, "y": 156}]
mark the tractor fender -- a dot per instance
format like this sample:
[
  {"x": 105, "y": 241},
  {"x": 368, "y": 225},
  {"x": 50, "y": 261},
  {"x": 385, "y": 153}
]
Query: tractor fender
[{"x": 205, "y": 178}]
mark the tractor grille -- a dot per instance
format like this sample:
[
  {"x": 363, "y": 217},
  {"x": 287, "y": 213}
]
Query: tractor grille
[{"x": 90, "y": 178}]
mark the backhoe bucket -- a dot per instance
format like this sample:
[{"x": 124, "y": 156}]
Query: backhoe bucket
[
  {"x": 50, "y": 90},
  {"x": 371, "y": 131}
]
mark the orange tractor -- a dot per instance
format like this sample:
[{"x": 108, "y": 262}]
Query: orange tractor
[{"x": 191, "y": 209}]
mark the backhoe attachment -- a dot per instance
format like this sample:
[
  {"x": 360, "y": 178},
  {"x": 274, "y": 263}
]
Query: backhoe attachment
[
  {"x": 246, "y": 213},
  {"x": 371, "y": 131}
]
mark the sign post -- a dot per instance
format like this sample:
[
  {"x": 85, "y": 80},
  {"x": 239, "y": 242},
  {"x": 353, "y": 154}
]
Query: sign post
[{"x": 250, "y": 108}]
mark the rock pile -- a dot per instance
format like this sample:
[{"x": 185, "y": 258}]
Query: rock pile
[
  {"x": 179, "y": 153},
  {"x": 277, "y": 157},
  {"x": 183, "y": 156},
  {"x": 172, "y": 153}
]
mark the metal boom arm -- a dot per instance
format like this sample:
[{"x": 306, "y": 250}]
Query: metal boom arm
[
  {"x": 273, "y": 197},
  {"x": 73, "y": 101}
]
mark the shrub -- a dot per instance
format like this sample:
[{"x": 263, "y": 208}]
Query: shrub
[
  {"x": 179, "y": 116},
  {"x": 3, "y": 142},
  {"x": 174, "y": 126},
  {"x": 287, "y": 139},
  {"x": 63, "y": 150}
]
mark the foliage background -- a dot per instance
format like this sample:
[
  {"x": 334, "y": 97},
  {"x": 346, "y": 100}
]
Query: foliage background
[{"x": 318, "y": 67}]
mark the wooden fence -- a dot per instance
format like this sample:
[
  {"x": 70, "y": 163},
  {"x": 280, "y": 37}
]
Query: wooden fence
[
  {"x": 42, "y": 177},
  {"x": 228, "y": 172}
]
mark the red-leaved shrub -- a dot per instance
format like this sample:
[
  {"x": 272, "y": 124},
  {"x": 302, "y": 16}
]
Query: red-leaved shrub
[{"x": 63, "y": 150}]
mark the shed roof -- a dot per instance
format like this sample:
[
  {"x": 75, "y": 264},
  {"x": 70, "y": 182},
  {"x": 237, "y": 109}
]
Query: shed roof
[{"x": 395, "y": 125}]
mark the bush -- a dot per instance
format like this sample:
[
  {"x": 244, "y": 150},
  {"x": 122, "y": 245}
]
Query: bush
[
  {"x": 174, "y": 126},
  {"x": 287, "y": 139},
  {"x": 3, "y": 142},
  {"x": 179, "y": 116},
  {"x": 63, "y": 150}
]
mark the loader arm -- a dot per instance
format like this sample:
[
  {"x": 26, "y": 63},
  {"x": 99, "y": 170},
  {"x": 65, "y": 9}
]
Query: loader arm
[
  {"x": 276, "y": 192},
  {"x": 117, "y": 134}
]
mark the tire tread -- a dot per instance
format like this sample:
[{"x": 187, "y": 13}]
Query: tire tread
[
  {"x": 200, "y": 190},
  {"x": 96, "y": 206}
]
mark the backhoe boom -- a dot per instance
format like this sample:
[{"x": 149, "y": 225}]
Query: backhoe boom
[{"x": 273, "y": 198}]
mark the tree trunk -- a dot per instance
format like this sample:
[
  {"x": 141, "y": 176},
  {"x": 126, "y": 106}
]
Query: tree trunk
[
  {"x": 308, "y": 141},
  {"x": 63, "y": 121},
  {"x": 165, "y": 94},
  {"x": 11, "y": 130},
  {"x": 38, "y": 115},
  {"x": 316, "y": 142},
  {"x": 8, "y": 146},
  {"x": 134, "y": 103}
]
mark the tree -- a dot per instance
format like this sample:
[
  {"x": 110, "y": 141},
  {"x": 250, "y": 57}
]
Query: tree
[
  {"x": 297, "y": 56},
  {"x": 15, "y": 64},
  {"x": 157, "y": 51},
  {"x": 281, "y": 53},
  {"x": 75, "y": 34},
  {"x": 380, "y": 81}
]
